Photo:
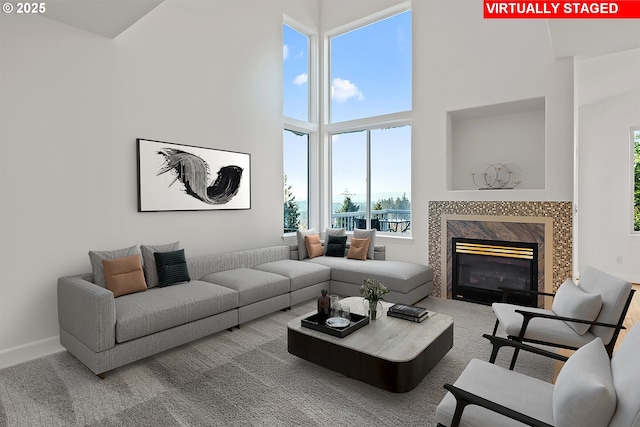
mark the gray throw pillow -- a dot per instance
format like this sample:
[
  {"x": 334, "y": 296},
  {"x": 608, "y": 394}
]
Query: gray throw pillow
[
  {"x": 584, "y": 394},
  {"x": 149, "y": 261},
  {"x": 366, "y": 234},
  {"x": 333, "y": 232},
  {"x": 302, "y": 247},
  {"x": 96, "y": 257},
  {"x": 571, "y": 301}
]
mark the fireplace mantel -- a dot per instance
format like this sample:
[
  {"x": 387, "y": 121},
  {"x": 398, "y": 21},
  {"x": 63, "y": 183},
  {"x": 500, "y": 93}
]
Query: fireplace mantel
[{"x": 555, "y": 216}]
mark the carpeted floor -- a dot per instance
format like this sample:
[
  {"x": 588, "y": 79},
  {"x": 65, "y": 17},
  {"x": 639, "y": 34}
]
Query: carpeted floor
[{"x": 241, "y": 378}]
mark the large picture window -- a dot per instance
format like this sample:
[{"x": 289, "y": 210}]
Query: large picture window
[
  {"x": 378, "y": 157},
  {"x": 370, "y": 126},
  {"x": 348, "y": 164}
]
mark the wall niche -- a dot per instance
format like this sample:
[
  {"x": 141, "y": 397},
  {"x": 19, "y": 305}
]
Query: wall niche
[{"x": 510, "y": 133}]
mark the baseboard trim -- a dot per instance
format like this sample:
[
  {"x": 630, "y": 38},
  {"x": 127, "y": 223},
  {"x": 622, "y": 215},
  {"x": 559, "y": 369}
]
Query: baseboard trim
[{"x": 33, "y": 350}]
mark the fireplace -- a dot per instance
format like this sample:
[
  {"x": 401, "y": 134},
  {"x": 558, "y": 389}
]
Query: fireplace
[{"x": 480, "y": 267}]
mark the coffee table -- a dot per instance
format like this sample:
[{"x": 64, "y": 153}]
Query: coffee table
[{"x": 389, "y": 353}]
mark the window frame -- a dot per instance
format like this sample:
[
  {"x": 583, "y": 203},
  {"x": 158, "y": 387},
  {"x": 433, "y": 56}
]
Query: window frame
[
  {"x": 632, "y": 136},
  {"x": 397, "y": 119},
  {"x": 309, "y": 127}
]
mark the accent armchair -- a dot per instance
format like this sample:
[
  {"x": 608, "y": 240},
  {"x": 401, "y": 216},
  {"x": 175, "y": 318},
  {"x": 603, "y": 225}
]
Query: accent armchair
[
  {"x": 596, "y": 307},
  {"x": 590, "y": 391}
]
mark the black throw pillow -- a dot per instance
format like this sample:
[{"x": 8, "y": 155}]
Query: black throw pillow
[
  {"x": 172, "y": 268},
  {"x": 336, "y": 245}
]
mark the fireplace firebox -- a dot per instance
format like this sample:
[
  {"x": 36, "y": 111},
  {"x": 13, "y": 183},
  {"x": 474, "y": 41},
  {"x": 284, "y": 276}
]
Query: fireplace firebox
[{"x": 481, "y": 267}]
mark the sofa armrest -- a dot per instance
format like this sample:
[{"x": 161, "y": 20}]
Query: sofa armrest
[{"x": 88, "y": 312}]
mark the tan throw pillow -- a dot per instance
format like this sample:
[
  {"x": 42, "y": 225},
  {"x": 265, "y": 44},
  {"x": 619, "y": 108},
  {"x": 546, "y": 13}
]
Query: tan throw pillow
[
  {"x": 313, "y": 245},
  {"x": 358, "y": 249},
  {"x": 124, "y": 275},
  {"x": 367, "y": 234}
]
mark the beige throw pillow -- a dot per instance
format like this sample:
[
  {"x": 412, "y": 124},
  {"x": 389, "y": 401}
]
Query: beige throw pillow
[
  {"x": 124, "y": 275},
  {"x": 313, "y": 245},
  {"x": 366, "y": 234},
  {"x": 302, "y": 249},
  {"x": 358, "y": 249}
]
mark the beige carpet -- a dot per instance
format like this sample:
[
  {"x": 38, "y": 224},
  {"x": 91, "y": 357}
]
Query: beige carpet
[{"x": 241, "y": 378}]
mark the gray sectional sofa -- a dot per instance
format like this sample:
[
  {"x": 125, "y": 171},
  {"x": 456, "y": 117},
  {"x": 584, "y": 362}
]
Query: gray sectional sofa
[{"x": 225, "y": 290}]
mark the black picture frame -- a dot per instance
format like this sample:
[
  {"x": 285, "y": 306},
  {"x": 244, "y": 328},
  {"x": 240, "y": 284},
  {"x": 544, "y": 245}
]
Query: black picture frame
[{"x": 177, "y": 177}]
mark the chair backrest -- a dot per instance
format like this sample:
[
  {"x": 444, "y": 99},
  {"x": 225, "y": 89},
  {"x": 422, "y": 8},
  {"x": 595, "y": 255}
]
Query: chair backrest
[
  {"x": 626, "y": 380},
  {"x": 614, "y": 292}
]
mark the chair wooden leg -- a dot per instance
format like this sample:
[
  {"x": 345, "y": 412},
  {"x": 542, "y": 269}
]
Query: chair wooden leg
[
  {"x": 513, "y": 359},
  {"x": 102, "y": 375},
  {"x": 495, "y": 328}
]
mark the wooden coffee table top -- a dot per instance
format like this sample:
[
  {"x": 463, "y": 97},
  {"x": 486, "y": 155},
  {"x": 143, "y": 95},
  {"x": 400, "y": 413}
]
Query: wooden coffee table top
[{"x": 388, "y": 338}]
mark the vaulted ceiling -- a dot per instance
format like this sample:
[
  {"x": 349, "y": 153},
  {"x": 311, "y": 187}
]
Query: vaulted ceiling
[{"x": 577, "y": 37}]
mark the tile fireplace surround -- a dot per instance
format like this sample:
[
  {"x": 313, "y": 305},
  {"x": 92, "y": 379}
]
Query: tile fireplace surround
[{"x": 547, "y": 223}]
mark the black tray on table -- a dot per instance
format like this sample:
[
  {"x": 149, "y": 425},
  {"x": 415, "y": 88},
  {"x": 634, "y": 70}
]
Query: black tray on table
[{"x": 357, "y": 322}]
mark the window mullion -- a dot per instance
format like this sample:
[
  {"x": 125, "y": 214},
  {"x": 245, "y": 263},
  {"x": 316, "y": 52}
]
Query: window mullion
[{"x": 368, "y": 196}]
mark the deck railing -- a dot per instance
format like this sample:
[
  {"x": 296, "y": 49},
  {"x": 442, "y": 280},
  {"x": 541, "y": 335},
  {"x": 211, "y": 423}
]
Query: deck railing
[{"x": 388, "y": 220}]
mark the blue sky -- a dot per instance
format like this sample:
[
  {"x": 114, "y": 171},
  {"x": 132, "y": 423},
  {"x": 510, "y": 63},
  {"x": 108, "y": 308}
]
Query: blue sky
[{"x": 370, "y": 76}]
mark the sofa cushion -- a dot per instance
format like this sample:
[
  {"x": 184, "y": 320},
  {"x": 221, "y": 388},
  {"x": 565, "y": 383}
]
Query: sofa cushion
[
  {"x": 398, "y": 276},
  {"x": 302, "y": 249},
  {"x": 124, "y": 275},
  {"x": 251, "y": 285},
  {"x": 96, "y": 257},
  {"x": 149, "y": 261},
  {"x": 301, "y": 274},
  {"x": 571, "y": 301},
  {"x": 172, "y": 267},
  {"x": 335, "y": 246},
  {"x": 366, "y": 234},
  {"x": 584, "y": 394},
  {"x": 358, "y": 249},
  {"x": 157, "y": 309}
]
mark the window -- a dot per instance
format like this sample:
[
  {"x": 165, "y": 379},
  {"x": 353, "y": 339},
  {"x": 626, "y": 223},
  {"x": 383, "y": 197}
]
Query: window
[
  {"x": 295, "y": 53},
  {"x": 296, "y": 181},
  {"x": 299, "y": 131},
  {"x": 370, "y": 129},
  {"x": 371, "y": 69},
  {"x": 635, "y": 141}
]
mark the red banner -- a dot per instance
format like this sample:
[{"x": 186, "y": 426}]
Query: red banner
[{"x": 622, "y": 9}]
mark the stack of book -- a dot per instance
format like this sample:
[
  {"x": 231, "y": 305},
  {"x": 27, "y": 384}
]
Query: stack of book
[{"x": 408, "y": 312}]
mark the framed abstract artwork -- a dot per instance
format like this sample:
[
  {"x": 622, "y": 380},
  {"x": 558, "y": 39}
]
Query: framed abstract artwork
[{"x": 175, "y": 177}]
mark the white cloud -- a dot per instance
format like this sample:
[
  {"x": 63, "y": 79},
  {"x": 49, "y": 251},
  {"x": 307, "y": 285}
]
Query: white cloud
[
  {"x": 301, "y": 79},
  {"x": 342, "y": 90},
  {"x": 285, "y": 51}
]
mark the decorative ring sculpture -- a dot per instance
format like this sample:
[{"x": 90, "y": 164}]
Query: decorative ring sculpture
[{"x": 499, "y": 176}]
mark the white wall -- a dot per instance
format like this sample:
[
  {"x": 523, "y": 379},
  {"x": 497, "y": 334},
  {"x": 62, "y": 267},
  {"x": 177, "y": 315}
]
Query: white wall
[
  {"x": 209, "y": 73},
  {"x": 72, "y": 105},
  {"x": 609, "y": 105},
  {"x": 460, "y": 61}
]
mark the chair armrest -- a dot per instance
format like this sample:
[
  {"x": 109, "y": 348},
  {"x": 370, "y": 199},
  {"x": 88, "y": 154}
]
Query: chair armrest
[
  {"x": 465, "y": 398},
  {"x": 529, "y": 315},
  {"x": 507, "y": 291},
  {"x": 88, "y": 312},
  {"x": 499, "y": 342}
]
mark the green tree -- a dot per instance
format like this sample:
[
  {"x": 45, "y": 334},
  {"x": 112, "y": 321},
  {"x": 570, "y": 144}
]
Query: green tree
[
  {"x": 291, "y": 209},
  {"x": 636, "y": 179},
  {"x": 348, "y": 205}
]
